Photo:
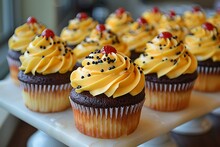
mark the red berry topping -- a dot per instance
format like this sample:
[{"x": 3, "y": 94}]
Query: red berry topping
[
  {"x": 82, "y": 16},
  {"x": 108, "y": 49},
  {"x": 142, "y": 21},
  {"x": 100, "y": 27},
  {"x": 165, "y": 35},
  {"x": 196, "y": 9},
  {"x": 172, "y": 13},
  {"x": 208, "y": 26},
  {"x": 155, "y": 10},
  {"x": 31, "y": 20},
  {"x": 119, "y": 11},
  {"x": 47, "y": 33}
]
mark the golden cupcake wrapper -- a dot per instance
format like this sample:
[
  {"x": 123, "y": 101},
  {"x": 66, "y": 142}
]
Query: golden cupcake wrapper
[
  {"x": 167, "y": 97},
  {"x": 169, "y": 87},
  {"x": 14, "y": 69},
  {"x": 106, "y": 122},
  {"x": 207, "y": 82},
  {"x": 208, "y": 70},
  {"x": 46, "y": 98}
]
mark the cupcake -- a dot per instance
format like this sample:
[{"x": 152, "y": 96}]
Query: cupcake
[
  {"x": 119, "y": 21},
  {"x": 107, "y": 95},
  {"x": 204, "y": 43},
  {"x": 44, "y": 73},
  {"x": 174, "y": 24},
  {"x": 18, "y": 43},
  {"x": 78, "y": 29},
  {"x": 170, "y": 72},
  {"x": 215, "y": 19},
  {"x": 194, "y": 18},
  {"x": 138, "y": 34},
  {"x": 153, "y": 17},
  {"x": 99, "y": 37}
]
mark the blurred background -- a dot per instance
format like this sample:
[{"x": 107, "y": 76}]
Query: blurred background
[{"x": 55, "y": 14}]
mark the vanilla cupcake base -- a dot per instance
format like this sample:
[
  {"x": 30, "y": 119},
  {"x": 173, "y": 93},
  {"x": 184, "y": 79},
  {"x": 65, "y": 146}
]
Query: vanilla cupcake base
[
  {"x": 14, "y": 69},
  {"x": 208, "y": 79},
  {"x": 167, "y": 97},
  {"x": 106, "y": 122},
  {"x": 46, "y": 98}
]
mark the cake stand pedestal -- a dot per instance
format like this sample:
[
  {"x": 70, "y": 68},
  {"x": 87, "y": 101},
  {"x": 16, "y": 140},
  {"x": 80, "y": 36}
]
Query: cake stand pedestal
[
  {"x": 196, "y": 126},
  {"x": 41, "y": 139},
  {"x": 161, "y": 141},
  {"x": 216, "y": 111}
]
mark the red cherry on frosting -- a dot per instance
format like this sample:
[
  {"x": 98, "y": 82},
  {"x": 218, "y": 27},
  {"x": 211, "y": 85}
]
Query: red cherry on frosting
[
  {"x": 100, "y": 27},
  {"x": 155, "y": 10},
  {"x": 165, "y": 35},
  {"x": 208, "y": 26},
  {"x": 196, "y": 9},
  {"x": 172, "y": 13},
  {"x": 47, "y": 33},
  {"x": 142, "y": 21},
  {"x": 108, "y": 49},
  {"x": 31, "y": 20},
  {"x": 119, "y": 11},
  {"x": 82, "y": 16}
]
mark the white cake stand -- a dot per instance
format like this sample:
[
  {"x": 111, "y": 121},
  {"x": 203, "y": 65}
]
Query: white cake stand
[
  {"x": 152, "y": 124},
  {"x": 196, "y": 126},
  {"x": 41, "y": 139}
]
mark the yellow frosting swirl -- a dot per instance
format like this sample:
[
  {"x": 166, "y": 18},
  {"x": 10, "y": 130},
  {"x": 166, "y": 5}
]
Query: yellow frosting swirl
[
  {"x": 46, "y": 56},
  {"x": 23, "y": 35},
  {"x": 77, "y": 30},
  {"x": 97, "y": 40},
  {"x": 152, "y": 17},
  {"x": 138, "y": 35},
  {"x": 119, "y": 24},
  {"x": 194, "y": 19},
  {"x": 173, "y": 24},
  {"x": 215, "y": 19},
  {"x": 204, "y": 44},
  {"x": 176, "y": 30},
  {"x": 110, "y": 74},
  {"x": 167, "y": 56}
]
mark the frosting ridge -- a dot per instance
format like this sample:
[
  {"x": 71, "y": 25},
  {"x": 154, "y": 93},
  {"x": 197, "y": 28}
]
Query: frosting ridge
[
  {"x": 112, "y": 74},
  {"x": 47, "y": 55},
  {"x": 204, "y": 44},
  {"x": 23, "y": 35},
  {"x": 166, "y": 55}
]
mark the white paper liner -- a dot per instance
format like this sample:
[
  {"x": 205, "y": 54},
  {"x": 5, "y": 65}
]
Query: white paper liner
[
  {"x": 107, "y": 122},
  {"x": 167, "y": 97},
  {"x": 46, "y": 98},
  {"x": 13, "y": 62},
  {"x": 169, "y": 87},
  {"x": 44, "y": 88},
  {"x": 14, "y": 69},
  {"x": 208, "y": 70},
  {"x": 207, "y": 82}
]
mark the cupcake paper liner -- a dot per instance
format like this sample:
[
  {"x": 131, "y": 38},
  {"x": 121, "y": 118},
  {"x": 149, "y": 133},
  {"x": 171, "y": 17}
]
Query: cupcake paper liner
[
  {"x": 14, "y": 69},
  {"x": 46, "y": 98},
  {"x": 106, "y": 122},
  {"x": 208, "y": 70},
  {"x": 167, "y": 97},
  {"x": 208, "y": 79}
]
